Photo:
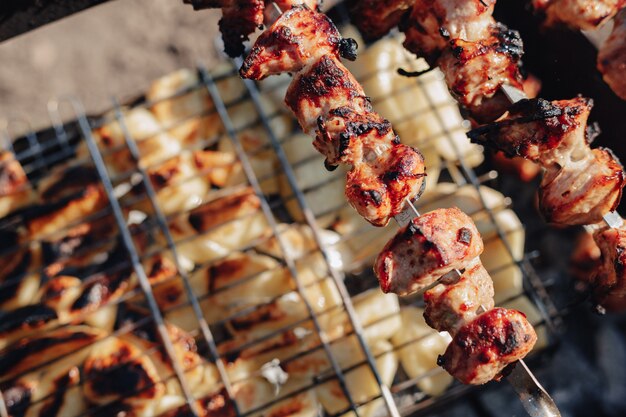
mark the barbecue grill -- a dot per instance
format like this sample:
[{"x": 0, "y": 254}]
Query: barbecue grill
[{"x": 41, "y": 151}]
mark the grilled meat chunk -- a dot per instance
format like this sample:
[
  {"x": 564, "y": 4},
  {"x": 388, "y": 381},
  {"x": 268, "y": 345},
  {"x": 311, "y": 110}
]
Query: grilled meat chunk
[
  {"x": 584, "y": 191},
  {"x": 323, "y": 86},
  {"x": 300, "y": 37},
  {"x": 542, "y": 131},
  {"x": 612, "y": 56},
  {"x": 611, "y": 276},
  {"x": 378, "y": 190},
  {"x": 433, "y": 23},
  {"x": 239, "y": 19},
  {"x": 426, "y": 249},
  {"x": 451, "y": 305},
  {"x": 348, "y": 136},
  {"x": 475, "y": 71},
  {"x": 376, "y": 18},
  {"x": 585, "y": 259},
  {"x": 578, "y": 14},
  {"x": 579, "y": 185},
  {"x": 484, "y": 347}
]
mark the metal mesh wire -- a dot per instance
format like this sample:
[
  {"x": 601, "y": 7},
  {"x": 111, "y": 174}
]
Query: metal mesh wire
[{"x": 232, "y": 108}]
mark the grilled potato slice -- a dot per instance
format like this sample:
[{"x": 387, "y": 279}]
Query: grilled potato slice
[
  {"x": 418, "y": 348},
  {"x": 378, "y": 314},
  {"x": 220, "y": 226},
  {"x": 15, "y": 189},
  {"x": 154, "y": 145},
  {"x": 52, "y": 390},
  {"x": 360, "y": 381},
  {"x": 184, "y": 182},
  {"x": 183, "y": 106},
  {"x": 31, "y": 352},
  {"x": 19, "y": 272},
  {"x": 223, "y": 288},
  {"x": 256, "y": 392}
]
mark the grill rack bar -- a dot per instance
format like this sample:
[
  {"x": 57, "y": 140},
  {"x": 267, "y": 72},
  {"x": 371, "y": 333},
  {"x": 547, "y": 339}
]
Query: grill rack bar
[
  {"x": 223, "y": 112},
  {"x": 204, "y": 327},
  {"x": 312, "y": 223},
  {"x": 131, "y": 250}
]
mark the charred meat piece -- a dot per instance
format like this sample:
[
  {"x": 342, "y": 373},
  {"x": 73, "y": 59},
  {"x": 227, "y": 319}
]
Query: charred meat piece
[
  {"x": 239, "y": 19},
  {"x": 481, "y": 349},
  {"x": 579, "y": 185},
  {"x": 300, "y": 37},
  {"x": 323, "y": 86},
  {"x": 583, "y": 191},
  {"x": 376, "y": 18},
  {"x": 378, "y": 189},
  {"x": 612, "y": 56},
  {"x": 475, "y": 71},
  {"x": 451, "y": 305},
  {"x": 585, "y": 260},
  {"x": 348, "y": 137},
  {"x": 611, "y": 276},
  {"x": 433, "y": 23},
  {"x": 549, "y": 133},
  {"x": 578, "y": 14},
  {"x": 426, "y": 249}
]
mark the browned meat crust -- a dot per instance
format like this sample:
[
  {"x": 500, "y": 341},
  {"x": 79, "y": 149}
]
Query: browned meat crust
[
  {"x": 578, "y": 14},
  {"x": 453, "y": 303},
  {"x": 481, "y": 349},
  {"x": 426, "y": 249},
  {"x": 580, "y": 185},
  {"x": 298, "y": 38},
  {"x": 375, "y": 18},
  {"x": 475, "y": 71},
  {"x": 612, "y": 56},
  {"x": 611, "y": 276}
]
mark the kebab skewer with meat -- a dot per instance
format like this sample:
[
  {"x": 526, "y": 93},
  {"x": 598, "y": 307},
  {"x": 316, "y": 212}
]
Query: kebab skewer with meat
[
  {"x": 581, "y": 186},
  {"x": 329, "y": 103},
  {"x": 433, "y": 248},
  {"x": 589, "y": 15},
  {"x": 476, "y": 54}
]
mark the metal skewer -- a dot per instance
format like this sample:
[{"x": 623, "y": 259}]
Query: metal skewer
[
  {"x": 535, "y": 399},
  {"x": 612, "y": 219}
]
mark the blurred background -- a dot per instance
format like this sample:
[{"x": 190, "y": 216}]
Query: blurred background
[{"x": 116, "y": 48}]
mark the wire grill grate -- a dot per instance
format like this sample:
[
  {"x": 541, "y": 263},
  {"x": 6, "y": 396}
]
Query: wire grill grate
[{"x": 39, "y": 153}]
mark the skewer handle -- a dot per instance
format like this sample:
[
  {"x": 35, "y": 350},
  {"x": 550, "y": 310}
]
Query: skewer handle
[{"x": 535, "y": 399}]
